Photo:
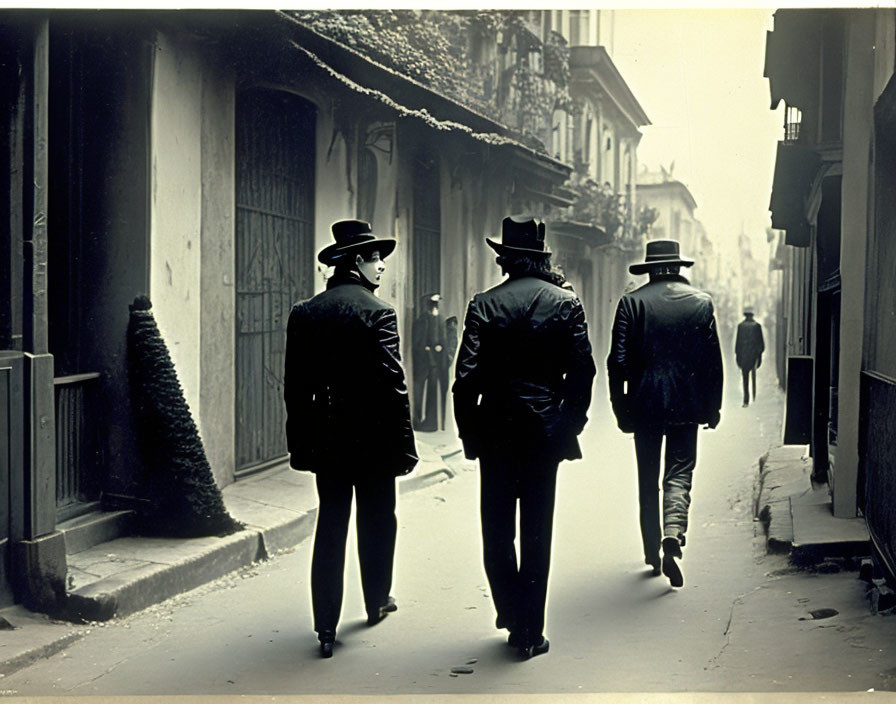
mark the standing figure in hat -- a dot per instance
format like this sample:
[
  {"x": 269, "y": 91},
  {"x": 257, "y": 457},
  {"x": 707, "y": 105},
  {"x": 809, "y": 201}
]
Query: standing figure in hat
[
  {"x": 431, "y": 362},
  {"x": 748, "y": 349},
  {"x": 665, "y": 376},
  {"x": 348, "y": 421},
  {"x": 521, "y": 393}
]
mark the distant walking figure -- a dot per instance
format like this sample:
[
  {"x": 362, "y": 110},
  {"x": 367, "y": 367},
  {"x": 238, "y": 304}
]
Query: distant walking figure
[
  {"x": 665, "y": 375},
  {"x": 748, "y": 349},
  {"x": 348, "y": 421},
  {"x": 521, "y": 394}
]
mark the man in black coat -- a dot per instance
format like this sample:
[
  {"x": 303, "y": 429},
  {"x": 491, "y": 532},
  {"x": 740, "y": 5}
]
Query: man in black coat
[
  {"x": 430, "y": 356},
  {"x": 521, "y": 394},
  {"x": 748, "y": 349},
  {"x": 348, "y": 421},
  {"x": 665, "y": 376}
]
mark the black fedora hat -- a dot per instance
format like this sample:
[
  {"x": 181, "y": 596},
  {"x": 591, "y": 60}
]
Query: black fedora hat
[
  {"x": 660, "y": 253},
  {"x": 520, "y": 233},
  {"x": 352, "y": 237}
]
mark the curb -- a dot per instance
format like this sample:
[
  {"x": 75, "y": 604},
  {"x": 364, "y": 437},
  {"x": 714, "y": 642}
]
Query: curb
[{"x": 41, "y": 652}]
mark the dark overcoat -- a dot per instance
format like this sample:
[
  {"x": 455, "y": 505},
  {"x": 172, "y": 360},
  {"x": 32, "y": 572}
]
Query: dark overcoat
[
  {"x": 524, "y": 371},
  {"x": 748, "y": 344},
  {"x": 346, "y": 399},
  {"x": 665, "y": 363}
]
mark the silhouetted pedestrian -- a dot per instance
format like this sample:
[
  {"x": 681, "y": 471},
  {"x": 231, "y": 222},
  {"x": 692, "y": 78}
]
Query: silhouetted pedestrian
[
  {"x": 748, "y": 349},
  {"x": 348, "y": 421},
  {"x": 665, "y": 375},
  {"x": 522, "y": 390}
]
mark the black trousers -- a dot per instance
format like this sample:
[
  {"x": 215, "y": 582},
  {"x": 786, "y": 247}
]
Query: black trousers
[
  {"x": 681, "y": 458},
  {"x": 376, "y": 527},
  {"x": 746, "y": 373},
  {"x": 519, "y": 591}
]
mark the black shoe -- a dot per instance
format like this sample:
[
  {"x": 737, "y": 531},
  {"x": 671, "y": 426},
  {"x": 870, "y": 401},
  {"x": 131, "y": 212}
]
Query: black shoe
[
  {"x": 654, "y": 562},
  {"x": 530, "y": 651},
  {"x": 326, "y": 639},
  {"x": 389, "y": 607},
  {"x": 671, "y": 552}
]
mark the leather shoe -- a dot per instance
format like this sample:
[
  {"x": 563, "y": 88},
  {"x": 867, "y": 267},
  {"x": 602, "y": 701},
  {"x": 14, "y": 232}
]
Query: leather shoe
[
  {"x": 530, "y": 651},
  {"x": 389, "y": 607},
  {"x": 326, "y": 649},
  {"x": 654, "y": 562},
  {"x": 671, "y": 552}
]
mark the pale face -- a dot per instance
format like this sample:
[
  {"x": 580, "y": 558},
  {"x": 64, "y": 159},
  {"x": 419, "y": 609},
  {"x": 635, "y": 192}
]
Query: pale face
[{"x": 371, "y": 268}]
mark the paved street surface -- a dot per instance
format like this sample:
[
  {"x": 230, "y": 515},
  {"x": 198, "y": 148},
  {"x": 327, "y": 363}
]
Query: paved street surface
[{"x": 741, "y": 623}]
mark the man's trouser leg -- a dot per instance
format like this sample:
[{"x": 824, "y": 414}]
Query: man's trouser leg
[
  {"x": 537, "y": 494},
  {"x": 753, "y": 374},
  {"x": 328, "y": 559},
  {"x": 681, "y": 457},
  {"x": 648, "y": 444},
  {"x": 376, "y": 527},
  {"x": 745, "y": 373},
  {"x": 497, "y": 506}
]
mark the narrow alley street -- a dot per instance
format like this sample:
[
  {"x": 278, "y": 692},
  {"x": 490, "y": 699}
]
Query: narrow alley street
[{"x": 741, "y": 622}]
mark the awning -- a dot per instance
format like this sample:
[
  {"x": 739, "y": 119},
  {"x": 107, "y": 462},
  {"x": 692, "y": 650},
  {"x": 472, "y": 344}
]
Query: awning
[{"x": 795, "y": 169}]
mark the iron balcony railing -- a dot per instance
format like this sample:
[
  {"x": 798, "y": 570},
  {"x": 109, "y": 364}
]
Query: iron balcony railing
[{"x": 78, "y": 448}]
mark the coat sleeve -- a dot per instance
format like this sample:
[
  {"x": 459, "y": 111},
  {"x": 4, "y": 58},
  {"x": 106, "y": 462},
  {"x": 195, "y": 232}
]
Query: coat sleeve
[
  {"x": 618, "y": 364},
  {"x": 467, "y": 384},
  {"x": 298, "y": 394},
  {"x": 714, "y": 375},
  {"x": 580, "y": 372},
  {"x": 395, "y": 407}
]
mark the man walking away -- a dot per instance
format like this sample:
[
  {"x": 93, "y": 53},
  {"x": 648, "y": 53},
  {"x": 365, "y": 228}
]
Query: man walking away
[
  {"x": 521, "y": 394},
  {"x": 348, "y": 421},
  {"x": 748, "y": 349},
  {"x": 665, "y": 376}
]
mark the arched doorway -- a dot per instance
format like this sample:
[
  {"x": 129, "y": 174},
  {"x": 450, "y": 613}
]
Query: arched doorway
[{"x": 275, "y": 158}]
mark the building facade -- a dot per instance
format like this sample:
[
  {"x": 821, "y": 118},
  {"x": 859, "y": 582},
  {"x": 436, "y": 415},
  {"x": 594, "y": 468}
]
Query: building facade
[
  {"x": 834, "y": 172},
  {"x": 200, "y": 158}
]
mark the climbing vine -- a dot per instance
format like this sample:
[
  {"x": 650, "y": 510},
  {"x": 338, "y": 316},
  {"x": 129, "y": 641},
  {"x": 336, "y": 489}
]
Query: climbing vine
[{"x": 492, "y": 61}]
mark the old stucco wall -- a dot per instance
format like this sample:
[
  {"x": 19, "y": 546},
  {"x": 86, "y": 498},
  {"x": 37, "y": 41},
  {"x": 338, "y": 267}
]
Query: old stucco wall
[
  {"x": 217, "y": 257},
  {"x": 176, "y": 207}
]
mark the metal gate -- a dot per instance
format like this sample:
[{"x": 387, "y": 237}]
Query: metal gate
[
  {"x": 427, "y": 244},
  {"x": 274, "y": 259}
]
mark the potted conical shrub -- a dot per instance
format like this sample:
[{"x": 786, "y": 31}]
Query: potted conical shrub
[{"x": 185, "y": 500}]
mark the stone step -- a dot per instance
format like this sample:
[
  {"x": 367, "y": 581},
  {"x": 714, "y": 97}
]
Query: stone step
[{"x": 83, "y": 532}]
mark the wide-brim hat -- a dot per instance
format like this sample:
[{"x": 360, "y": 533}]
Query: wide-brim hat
[
  {"x": 522, "y": 234},
  {"x": 353, "y": 237},
  {"x": 660, "y": 253},
  {"x": 748, "y": 310}
]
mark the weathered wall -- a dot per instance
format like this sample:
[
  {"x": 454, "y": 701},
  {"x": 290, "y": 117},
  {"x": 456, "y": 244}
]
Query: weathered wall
[
  {"x": 176, "y": 206},
  {"x": 857, "y": 134},
  {"x": 217, "y": 257}
]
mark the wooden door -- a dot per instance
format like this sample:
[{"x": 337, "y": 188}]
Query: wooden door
[{"x": 275, "y": 159}]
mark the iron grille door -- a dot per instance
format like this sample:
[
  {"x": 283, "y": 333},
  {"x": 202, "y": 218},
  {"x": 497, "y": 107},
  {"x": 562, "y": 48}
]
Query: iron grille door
[
  {"x": 427, "y": 244},
  {"x": 274, "y": 259}
]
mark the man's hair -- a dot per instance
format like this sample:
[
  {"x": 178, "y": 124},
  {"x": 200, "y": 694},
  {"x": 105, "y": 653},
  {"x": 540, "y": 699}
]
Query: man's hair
[
  {"x": 664, "y": 269},
  {"x": 346, "y": 262},
  {"x": 539, "y": 265}
]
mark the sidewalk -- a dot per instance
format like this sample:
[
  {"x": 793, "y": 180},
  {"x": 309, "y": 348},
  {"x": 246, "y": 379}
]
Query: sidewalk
[
  {"x": 797, "y": 514},
  {"x": 124, "y": 575}
]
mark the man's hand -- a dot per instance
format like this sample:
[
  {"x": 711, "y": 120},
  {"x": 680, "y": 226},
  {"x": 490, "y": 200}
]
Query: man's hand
[{"x": 713, "y": 421}]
